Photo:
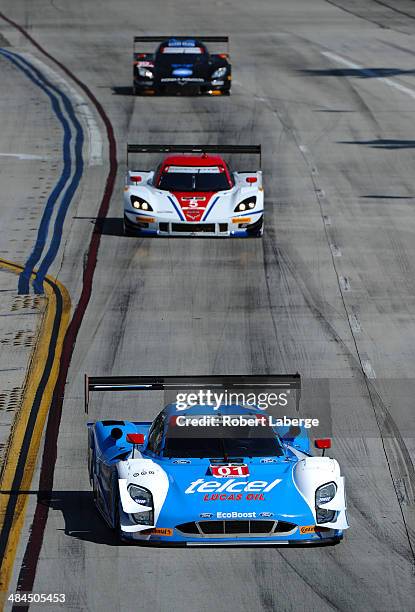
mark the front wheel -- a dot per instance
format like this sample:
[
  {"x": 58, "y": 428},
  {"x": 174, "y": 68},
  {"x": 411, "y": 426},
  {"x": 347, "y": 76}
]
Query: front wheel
[
  {"x": 127, "y": 231},
  {"x": 117, "y": 525},
  {"x": 256, "y": 230}
]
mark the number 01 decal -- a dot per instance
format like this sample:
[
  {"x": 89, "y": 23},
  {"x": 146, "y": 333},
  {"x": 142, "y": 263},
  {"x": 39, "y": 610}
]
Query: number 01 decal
[{"x": 229, "y": 471}]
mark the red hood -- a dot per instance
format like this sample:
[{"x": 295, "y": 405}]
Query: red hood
[{"x": 193, "y": 204}]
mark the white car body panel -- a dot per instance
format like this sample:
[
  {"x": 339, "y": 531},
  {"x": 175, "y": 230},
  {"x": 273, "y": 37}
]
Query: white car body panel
[
  {"x": 166, "y": 208},
  {"x": 313, "y": 472},
  {"x": 144, "y": 473}
]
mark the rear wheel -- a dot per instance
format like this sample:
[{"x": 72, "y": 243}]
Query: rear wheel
[{"x": 95, "y": 492}]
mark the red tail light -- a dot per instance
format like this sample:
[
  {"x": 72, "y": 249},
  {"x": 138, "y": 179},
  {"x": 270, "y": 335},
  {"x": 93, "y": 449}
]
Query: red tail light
[
  {"x": 135, "y": 438},
  {"x": 251, "y": 179},
  {"x": 136, "y": 179},
  {"x": 323, "y": 443}
]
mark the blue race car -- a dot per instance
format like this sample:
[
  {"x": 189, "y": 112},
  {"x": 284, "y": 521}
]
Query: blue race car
[{"x": 210, "y": 475}]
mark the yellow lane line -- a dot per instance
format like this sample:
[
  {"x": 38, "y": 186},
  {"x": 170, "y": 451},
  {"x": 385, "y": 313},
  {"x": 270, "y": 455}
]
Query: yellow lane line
[{"x": 32, "y": 383}]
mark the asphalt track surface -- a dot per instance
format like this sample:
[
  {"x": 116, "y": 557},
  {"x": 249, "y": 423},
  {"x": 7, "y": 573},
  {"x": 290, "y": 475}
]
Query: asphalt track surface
[{"x": 329, "y": 291}]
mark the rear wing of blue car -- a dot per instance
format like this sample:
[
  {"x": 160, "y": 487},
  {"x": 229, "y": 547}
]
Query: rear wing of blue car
[
  {"x": 273, "y": 382},
  {"x": 197, "y": 149}
]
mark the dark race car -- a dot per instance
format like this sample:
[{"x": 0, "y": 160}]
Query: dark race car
[{"x": 181, "y": 65}]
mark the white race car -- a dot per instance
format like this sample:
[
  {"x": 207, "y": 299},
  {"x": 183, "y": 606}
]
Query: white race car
[{"x": 193, "y": 193}]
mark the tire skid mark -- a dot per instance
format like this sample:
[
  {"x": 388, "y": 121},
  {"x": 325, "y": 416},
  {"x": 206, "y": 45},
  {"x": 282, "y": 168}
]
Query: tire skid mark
[{"x": 396, "y": 453}]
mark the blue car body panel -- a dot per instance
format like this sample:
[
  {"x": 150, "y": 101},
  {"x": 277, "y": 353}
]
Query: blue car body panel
[{"x": 268, "y": 493}]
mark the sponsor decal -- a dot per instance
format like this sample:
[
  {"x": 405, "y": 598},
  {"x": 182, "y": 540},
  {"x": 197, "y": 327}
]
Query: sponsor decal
[
  {"x": 145, "y": 64},
  {"x": 232, "y": 489},
  {"x": 182, "y": 72},
  {"x": 162, "y": 531},
  {"x": 181, "y": 461},
  {"x": 177, "y": 79},
  {"x": 143, "y": 473},
  {"x": 206, "y": 515},
  {"x": 175, "y": 42},
  {"x": 308, "y": 529},
  {"x": 238, "y": 515},
  {"x": 229, "y": 470},
  {"x": 268, "y": 461},
  {"x": 193, "y": 215},
  {"x": 266, "y": 514}
]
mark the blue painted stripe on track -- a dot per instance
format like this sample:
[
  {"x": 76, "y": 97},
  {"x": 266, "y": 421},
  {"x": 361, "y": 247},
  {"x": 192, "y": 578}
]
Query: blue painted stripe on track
[
  {"x": 43, "y": 83},
  {"x": 24, "y": 278}
]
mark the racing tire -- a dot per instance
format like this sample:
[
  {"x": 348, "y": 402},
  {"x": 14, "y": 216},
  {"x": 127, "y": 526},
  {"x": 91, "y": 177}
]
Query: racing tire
[
  {"x": 94, "y": 493},
  {"x": 127, "y": 231},
  {"x": 256, "y": 230},
  {"x": 117, "y": 526},
  {"x": 90, "y": 463}
]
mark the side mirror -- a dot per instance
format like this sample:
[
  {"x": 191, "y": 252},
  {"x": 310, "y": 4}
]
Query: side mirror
[
  {"x": 135, "y": 438},
  {"x": 322, "y": 444}
]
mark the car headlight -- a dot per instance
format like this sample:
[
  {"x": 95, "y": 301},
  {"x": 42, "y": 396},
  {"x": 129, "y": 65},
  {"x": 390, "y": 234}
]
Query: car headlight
[
  {"x": 143, "y": 497},
  {"x": 245, "y": 205},
  {"x": 139, "y": 203},
  {"x": 145, "y": 72},
  {"x": 219, "y": 73},
  {"x": 324, "y": 494}
]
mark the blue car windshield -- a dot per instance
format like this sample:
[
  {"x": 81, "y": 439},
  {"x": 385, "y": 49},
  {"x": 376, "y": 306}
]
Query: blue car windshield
[{"x": 221, "y": 442}]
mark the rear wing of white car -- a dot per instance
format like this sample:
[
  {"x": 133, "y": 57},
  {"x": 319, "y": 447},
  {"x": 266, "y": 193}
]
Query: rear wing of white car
[
  {"x": 274, "y": 382},
  {"x": 199, "y": 149},
  {"x": 159, "y": 39}
]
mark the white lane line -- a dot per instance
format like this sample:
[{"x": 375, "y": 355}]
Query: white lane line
[
  {"x": 95, "y": 144},
  {"x": 355, "y": 323},
  {"x": 22, "y": 156},
  {"x": 368, "y": 368},
  {"x": 371, "y": 73}
]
